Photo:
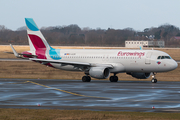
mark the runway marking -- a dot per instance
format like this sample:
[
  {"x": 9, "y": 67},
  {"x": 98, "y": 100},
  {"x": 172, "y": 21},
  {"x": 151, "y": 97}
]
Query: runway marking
[
  {"x": 67, "y": 91},
  {"x": 15, "y": 83},
  {"x": 132, "y": 100},
  {"x": 19, "y": 83}
]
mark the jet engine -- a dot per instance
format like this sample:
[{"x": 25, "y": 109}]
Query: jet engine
[
  {"x": 140, "y": 75},
  {"x": 99, "y": 72}
]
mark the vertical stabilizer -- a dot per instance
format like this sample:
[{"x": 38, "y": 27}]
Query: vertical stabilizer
[
  {"x": 35, "y": 37},
  {"x": 37, "y": 42}
]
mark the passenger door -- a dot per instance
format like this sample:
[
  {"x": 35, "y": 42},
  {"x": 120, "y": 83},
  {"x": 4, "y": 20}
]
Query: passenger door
[{"x": 148, "y": 58}]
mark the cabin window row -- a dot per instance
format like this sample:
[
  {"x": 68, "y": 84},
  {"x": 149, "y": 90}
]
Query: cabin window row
[{"x": 98, "y": 57}]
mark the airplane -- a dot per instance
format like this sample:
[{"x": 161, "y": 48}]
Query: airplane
[{"x": 96, "y": 63}]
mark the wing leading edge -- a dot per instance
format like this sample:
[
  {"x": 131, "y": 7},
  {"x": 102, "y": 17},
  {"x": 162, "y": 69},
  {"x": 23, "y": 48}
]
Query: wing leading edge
[{"x": 71, "y": 63}]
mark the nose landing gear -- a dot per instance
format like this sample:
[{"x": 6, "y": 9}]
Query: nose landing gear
[{"x": 154, "y": 80}]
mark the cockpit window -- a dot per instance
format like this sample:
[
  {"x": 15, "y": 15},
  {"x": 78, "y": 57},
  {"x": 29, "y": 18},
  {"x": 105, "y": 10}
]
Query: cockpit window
[
  {"x": 167, "y": 57},
  {"x": 159, "y": 57},
  {"x": 164, "y": 57}
]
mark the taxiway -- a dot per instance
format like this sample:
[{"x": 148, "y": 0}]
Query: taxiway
[{"x": 96, "y": 95}]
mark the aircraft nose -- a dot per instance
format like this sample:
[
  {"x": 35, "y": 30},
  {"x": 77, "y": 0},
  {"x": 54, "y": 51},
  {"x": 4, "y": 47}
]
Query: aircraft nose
[{"x": 174, "y": 65}]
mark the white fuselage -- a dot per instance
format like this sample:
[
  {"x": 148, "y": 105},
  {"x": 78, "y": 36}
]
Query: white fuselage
[{"x": 122, "y": 60}]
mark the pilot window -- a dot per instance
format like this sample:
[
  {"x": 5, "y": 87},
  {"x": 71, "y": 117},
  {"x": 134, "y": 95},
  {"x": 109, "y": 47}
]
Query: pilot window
[
  {"x": 167, "y": 57},
  {"x": 162, "y": 57},
  {"x": 159, "y": 57}
]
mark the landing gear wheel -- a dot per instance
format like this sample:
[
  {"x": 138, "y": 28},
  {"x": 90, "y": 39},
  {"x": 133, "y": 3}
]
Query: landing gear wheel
[
  {"x": 89, "y": 79},
  {"x": 113, "y": 79},
  {"x": 86, "y": 78},
  {"x": 154, "y": 80}
]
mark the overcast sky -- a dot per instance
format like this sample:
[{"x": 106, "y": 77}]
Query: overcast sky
[{"x": 117, "y": 14}]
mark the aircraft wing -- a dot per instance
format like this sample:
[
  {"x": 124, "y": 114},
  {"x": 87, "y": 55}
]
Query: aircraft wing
[{"x": 45, "y": 61}]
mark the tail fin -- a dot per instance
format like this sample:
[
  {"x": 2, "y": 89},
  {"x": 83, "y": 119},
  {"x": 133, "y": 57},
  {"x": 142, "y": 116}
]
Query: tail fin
[{"x": 35, "y": 37}]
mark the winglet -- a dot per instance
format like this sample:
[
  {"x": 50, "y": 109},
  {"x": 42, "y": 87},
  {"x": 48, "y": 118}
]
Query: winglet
[{"x": 14, "y": 51}]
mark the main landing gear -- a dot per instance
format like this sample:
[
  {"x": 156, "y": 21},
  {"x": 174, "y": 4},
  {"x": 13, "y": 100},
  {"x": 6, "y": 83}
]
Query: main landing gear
[
  {"x": 86, "y": 78},
  {"x": 113, "y": 78},
  {"x": 154, "y": 80}
]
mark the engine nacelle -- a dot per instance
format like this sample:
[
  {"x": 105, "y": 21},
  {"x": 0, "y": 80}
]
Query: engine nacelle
[
  {"x": 99, "y": 72},
  {"x": 140, "y": 75}
]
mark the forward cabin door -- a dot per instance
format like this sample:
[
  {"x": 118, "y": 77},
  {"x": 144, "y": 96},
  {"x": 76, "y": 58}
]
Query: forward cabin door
[
  {"x": 148, "y": 58},
  {"x": 105, "y": 58}
]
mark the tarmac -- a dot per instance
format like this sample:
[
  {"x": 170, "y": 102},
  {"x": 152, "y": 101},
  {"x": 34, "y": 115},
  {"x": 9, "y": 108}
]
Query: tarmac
[{"x": 97, "y": 95}]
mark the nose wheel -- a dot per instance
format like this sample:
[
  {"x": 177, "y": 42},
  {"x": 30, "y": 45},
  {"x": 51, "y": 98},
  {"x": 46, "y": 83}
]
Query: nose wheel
[{"x": 154, "y": 80}]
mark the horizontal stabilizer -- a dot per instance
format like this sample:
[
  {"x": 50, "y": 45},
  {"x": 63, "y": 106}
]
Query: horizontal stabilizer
[
  {"x": 9, "y": 52},
  {"x": 22, "y": 54},
  {"x": 28, "y": 55},
  {"x": 18, "y": 55}
]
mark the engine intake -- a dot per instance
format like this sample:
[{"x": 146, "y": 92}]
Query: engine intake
[
  {"x": 140, "y": 75},
  {"x": 99, "y": 72}
]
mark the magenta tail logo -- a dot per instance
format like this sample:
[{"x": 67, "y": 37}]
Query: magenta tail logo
[
  {"x": 36, "y": 41},
  {"x": 39, "y": 46}
]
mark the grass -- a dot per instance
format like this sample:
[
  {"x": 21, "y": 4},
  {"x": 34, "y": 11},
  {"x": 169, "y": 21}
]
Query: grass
[
  {"x": 55, "y": 114},
  {"x": 15, "y": 69}
]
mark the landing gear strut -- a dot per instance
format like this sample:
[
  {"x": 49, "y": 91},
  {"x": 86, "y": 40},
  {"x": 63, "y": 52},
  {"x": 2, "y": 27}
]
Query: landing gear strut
[
  {"x": 154, "y": 80},
  {"x": 86, "y": 78},
  {"x": 113, "y": 78}
]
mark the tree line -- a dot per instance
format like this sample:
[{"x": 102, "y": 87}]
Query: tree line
[{"x": 73, "y": 35}]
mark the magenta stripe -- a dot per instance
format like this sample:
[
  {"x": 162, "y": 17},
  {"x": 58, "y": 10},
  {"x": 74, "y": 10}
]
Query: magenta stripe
[
  {"x": 37, "y": 41},
  {"x": 39, "y": 46},
  {"x": 27, "y": 54}
]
